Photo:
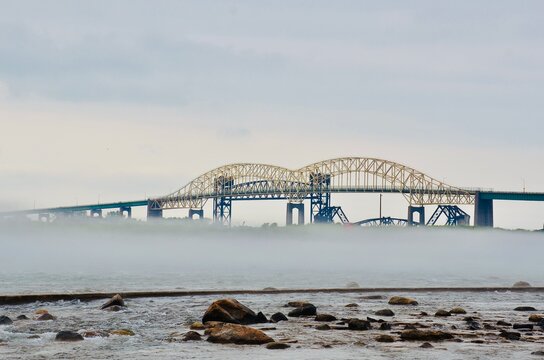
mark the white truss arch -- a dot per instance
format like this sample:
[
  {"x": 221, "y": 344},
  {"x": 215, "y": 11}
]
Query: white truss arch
[{"x": 348, "y": 175}]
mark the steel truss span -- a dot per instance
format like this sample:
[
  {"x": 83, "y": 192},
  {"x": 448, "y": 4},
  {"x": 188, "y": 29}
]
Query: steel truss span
[{"x": 247, "y": 181}]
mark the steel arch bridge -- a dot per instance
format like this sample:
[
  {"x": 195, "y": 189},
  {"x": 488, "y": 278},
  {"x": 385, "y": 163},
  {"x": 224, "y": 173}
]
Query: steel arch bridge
[{"x": 249, "y": 181}]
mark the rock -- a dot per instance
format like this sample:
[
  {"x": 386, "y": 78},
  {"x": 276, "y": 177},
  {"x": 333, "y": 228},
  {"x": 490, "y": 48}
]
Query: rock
[
  {"x": 306, "y": 310},
  {"x": 323, "y": 327},
  {"x": 442, "y": 313},
  {"x": 385, "y": 326},
  {"x": 385, "y": 338},
  {"x": 358, "y": 324},
  {"x": 473, "y": 325},
  {"x": 384, "y": 312},
  {"x": 238, "y": 334},
  {"x": 68, "y": 336},
  {"x": 277, "y": 346},
  {"x": 489, "y": 327},
  {"x": 41, "y": 311},
  {"x": 270, "y": 288},
  {"x": 373, "y": 297},
  {"x": 116, "y": 300},
  {"x": 425, "y": 335},
  {"x": 525, "y": 308},
  {"x": 523, "y": 326},
  {"x": 192, "y": 336},
  {"x": 536, "y": 318},
  {"x": 352, "y": 285},
  {"x": 503, "y": 323},
  {"x": 510, "y": 335},
  {"x": 231, "y": 311},
  {"x": 521, "y": 284},
  {"x": 296, "y": 304},
  {"x": 426, "y": 345},
  {"x": 35, "y": 336},
  {"x": 458, "y": 311},
  {"x": 93, "y": 334},
  {"x": 4, "y": 320},
  {"x": 538, "y": 353},
  {"x": 115, "y": 308},
  {"x": 22, "y": 317},
  {"x": 46, "y": 316},
  {"x": 197, "y": 325},
  {"x": 478, "y": 341},
  {"x": 352, "y": 305},
  {"x": 400, "y": 300},
  {"x": 325, "y": 317},
  {"x": 122, "y": 332},
  {"x": 277, "y": 317},
  {"x": 261, "y": 318},
  {"x": 423, "y": 313}
]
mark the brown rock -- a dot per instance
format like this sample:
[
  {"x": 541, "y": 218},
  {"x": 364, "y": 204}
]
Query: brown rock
[
  {"x": 536, "y": 318},
  {"x": 353, "y": 305},
  {"x": 277, "y": 346},
  {"x": 325, "y": 317},
  {"x": 296, "y": 304},
  {"x": 442, "y": 313},
  {"x": 277, "y": 317},
  {"x": 197, "y": 325},
  {"x": 68, "y": 336},
  {"x": 425, "y": 335},
  {"x": 323, "y": 327},
  {"x": 192, "y": 336},
  {"x": 238, "y": 334},
  {"x": 46, "y": 316},
  {"x": 230, "y": 311},
  {"x": 306, "y": 310},
  {"x": 426, "y": 345},
  {"x": 116, "y": 300},
  {"x": 385, "y": 338},
  {"x": 385, "y": 312},
  {"x": 458, "y": 311},
  {"x": 122, "y": 332},
  {"x": 357, "y": 324},
  {"x": 400, "y": 300},
  {"x": 510, "y": 335},
  {"x": 521, "y": 284},
  {"x": 92, "y": 334}
]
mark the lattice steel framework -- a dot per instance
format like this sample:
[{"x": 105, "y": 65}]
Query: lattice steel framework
[{"x": 343, "y": 175}]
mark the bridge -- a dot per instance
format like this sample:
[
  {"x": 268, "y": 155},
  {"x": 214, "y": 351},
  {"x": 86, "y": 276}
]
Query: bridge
[{"x": 313, "y": 183}]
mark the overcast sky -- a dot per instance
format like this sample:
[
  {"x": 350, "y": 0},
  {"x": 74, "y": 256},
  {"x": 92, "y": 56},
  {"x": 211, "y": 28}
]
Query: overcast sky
[{"x": 116, "y": 100}]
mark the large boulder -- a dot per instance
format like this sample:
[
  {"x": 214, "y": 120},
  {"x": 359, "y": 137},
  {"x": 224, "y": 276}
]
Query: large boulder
[
  {"x": 401, "y": 300},
  {"x": 425, "y": 335},
  {"x": 116, "y": 303},
  {"x": 231, "y": 311},
  {"x": 237, "y": 334},
  {"x": 306, "y": 310},
  {"x": 68, "y": 336},
  {"x": 536, "y": 318}
]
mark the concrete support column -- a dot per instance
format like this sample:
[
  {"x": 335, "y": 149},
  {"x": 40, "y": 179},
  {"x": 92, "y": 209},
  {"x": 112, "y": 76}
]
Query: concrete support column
[
  {"x": 96, "y": 213},
  {"x": 416, "y": 209},
  {"x": 126, "y": 209},
  {"x": 483, "y": 211},
  {"x": 199, "y": 212},
  {"x": 289, "y": 215}
]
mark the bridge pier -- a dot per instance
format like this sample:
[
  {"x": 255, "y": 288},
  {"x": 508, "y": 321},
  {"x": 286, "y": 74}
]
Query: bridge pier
[
  {"x": 153, "y": 212},
  {"x": 126, "y": 209},
  {"x": 419, "y": 210},
  {"x": 222, "y": 210},
  {"x": 289, "y": 217},
  {"x": 44, "y": 217},
  {"x": 96, "y": 213},
  {"x": 199, "y": 212},
  {"x": 483, "y": 211}
]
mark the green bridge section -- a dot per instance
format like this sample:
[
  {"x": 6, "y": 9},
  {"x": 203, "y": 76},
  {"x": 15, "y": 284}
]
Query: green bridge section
[{"x": 513, "y": 196}]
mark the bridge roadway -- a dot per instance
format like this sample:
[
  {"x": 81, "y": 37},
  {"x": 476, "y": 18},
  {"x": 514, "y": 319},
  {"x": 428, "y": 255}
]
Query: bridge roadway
[{"x": 483, "y": 210}]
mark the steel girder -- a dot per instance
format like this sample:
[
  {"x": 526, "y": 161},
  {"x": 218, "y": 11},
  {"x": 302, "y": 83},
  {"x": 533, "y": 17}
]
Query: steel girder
[{"x": 247, "y": 181}]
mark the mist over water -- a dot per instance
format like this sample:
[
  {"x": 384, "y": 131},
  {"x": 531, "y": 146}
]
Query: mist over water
[{"x": 120, "y": 256}]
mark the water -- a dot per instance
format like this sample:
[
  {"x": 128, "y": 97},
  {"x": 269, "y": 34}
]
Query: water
[{"x": 125, "y": 256}]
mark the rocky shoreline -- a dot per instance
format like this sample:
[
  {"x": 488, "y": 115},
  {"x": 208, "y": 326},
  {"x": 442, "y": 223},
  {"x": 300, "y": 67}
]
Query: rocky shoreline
[{"x": 304, "y": 322}]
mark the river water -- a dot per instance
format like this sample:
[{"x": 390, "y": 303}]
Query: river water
[{"x": 136, "y": 256}]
